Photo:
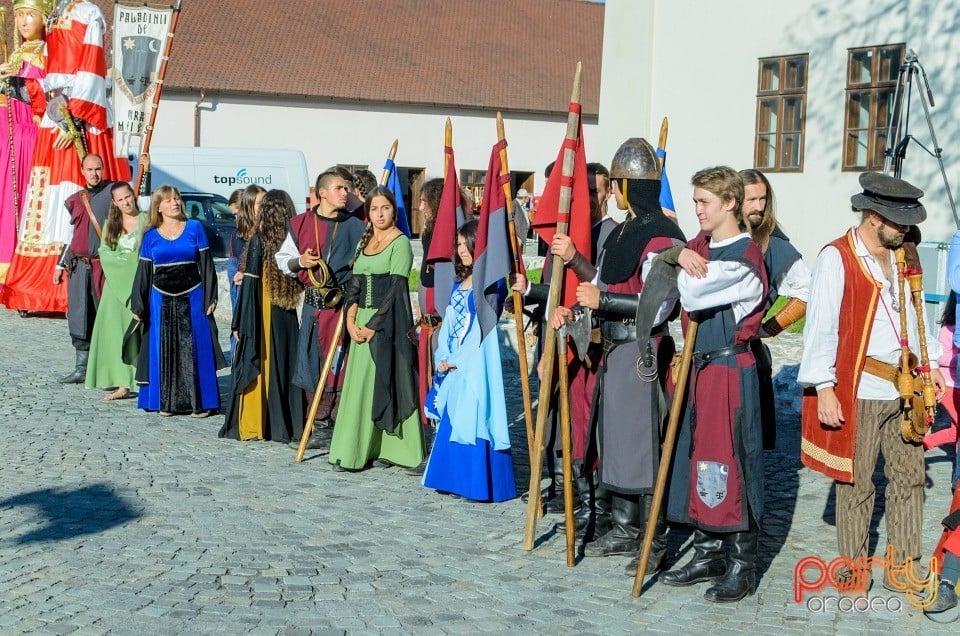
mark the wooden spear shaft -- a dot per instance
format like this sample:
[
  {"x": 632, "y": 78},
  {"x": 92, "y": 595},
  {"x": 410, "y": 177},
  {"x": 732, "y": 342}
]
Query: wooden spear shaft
[
  {"x": 669, "y": 441},
  {"x": 566, "y": 445},
  {"x": 516, "y": 248},
  {"x": 145, "y": 147},
  {"x": 447, "y": 143},
  {"x": 385, "y": 175},
  {"x": 321, "y": 385},
  {"x": 332, "y": 349},
  {"x": 662, "y": 143},
  {"x": 550, "y": 344}
]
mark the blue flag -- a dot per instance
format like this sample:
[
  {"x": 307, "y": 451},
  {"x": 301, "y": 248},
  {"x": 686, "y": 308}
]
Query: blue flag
[
  {"x": 666, "y": 196},
  {"x": 393, "y": 184}
]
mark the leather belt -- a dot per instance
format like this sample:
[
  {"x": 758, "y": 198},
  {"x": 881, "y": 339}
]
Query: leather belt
[
  {"x": 888, "y": 372},
  {"x": 430, "y": 320},
  {"x": 314, "y": 296},
  {"x": 87, "y": 259},
  {"x": 702, "y": 359},
  {"x": 620, "y": 331}
]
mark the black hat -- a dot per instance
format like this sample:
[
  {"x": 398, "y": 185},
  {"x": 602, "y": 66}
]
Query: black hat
[{"x": 893, "y": 199}]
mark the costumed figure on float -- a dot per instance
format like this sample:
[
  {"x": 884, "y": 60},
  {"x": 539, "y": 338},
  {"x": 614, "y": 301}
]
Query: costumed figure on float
[
  {"x": 18, "y": 121},
  {"x": 76, "y": 120}
]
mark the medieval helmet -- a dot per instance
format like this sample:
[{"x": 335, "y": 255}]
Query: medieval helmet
[
  {"x": 635, "y": 159},
  {"x": 43, "y": 7}
]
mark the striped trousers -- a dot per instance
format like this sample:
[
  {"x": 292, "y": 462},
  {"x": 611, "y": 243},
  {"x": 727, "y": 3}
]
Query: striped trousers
[{"x": 878, "y": 429}]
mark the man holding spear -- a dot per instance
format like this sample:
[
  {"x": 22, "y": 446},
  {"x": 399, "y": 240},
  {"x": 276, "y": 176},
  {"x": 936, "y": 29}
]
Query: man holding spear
[
  {"x": 628, "y": 411},
  {"x": 717, "y": 476},
  {"x": 318, "y": 250}
]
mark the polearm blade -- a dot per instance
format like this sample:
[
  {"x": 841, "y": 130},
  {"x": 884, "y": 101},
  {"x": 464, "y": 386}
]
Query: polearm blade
[
  {"x": 553, "y": 299},
  {"x": 660, "y": 281},
  {"x": 517, "y": 254}
]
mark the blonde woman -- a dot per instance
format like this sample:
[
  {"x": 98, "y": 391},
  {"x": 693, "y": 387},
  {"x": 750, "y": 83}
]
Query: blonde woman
[{"x": 174, "y": 295}]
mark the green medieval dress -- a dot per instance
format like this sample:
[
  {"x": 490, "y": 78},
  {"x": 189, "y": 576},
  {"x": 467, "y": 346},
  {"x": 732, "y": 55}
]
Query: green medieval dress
[
  {"x": 378, "y": 416},
  {"x": 106, "y": 367}
]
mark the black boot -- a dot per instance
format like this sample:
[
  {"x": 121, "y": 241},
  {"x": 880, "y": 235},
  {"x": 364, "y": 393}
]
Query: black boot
[
  {"x": 707, "y": 562},
  {"x": 551, "y": 495},
  {"x": 583, "y": 517},
  {"x": 626, "y": 532},
  {"x": 658, "y": 550},
  {"x": 79, "y": 373},
  {"x": 602, "y": 522},
  {"x": 740, "y": 578},
  {"x": 592, "y": 519}
]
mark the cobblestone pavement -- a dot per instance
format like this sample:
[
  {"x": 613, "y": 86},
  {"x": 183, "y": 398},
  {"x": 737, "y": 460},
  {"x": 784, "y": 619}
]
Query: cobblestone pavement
[{"x": 114, "y": 521}]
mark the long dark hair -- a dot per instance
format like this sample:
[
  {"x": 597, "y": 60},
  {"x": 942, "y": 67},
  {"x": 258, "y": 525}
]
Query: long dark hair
[
  {"x": 246, "y": 216},
  {"x": 379, "y": 191},
  {"x": 469, "y": 233},
  {"x": 431, "y": 192},
  {"x": 761, "y": 234},
  {"x": 949, "y": 315},
  {"x": 275, "y": 210},
  {"x": 114, "y": 225}
]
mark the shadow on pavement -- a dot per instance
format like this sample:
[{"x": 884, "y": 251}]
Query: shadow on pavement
[
  {"x": 781, "y": 471},
  {"x": 67, "y": 513}
]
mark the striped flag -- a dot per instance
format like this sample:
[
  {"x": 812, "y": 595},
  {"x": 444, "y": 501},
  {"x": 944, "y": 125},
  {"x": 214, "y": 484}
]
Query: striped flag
[
  {"x": 443, "y": 243},
  {"x": 491, "y": 253},
  {"x": 393, "y": 185}
]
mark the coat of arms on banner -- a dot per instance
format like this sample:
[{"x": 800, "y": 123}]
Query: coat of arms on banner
[
  {"x": 137, "y": 73},
  {"x": 712, "y": 482},
  {"x": 140, "y": 36}
]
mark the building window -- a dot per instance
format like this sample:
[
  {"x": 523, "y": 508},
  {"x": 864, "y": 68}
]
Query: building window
[
  {"x": 872, "y": 74},
  {"x": 781, "y": 113},
  {"x": 473, "y": 180}
]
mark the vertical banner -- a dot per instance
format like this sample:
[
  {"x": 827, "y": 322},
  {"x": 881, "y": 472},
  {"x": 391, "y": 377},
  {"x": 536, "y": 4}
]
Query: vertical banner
[{"x": 139, "y": 40}]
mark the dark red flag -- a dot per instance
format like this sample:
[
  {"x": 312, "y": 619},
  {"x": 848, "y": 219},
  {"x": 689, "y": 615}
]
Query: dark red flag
[
  {"x": 443, "y": 244},
  {"x": 548, "y": 211}
]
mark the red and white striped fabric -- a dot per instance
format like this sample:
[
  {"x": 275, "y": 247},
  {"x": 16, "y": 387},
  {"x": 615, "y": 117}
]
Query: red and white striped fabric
[{"x": 75, "y": 62}]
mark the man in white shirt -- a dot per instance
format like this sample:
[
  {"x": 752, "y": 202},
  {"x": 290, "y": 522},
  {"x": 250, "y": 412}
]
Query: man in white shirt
[
  {"x": 716, "y": 482},
  {"x": 852, "y": 407}
]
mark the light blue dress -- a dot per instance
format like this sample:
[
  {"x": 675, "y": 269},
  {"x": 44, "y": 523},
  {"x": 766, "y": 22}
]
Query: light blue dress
[{"x": 471, "y": 454}]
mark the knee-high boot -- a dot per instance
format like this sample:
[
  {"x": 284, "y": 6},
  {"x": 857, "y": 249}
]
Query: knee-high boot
[
  {"x": 707, "y": 563},
  {"x": 592, "y": 519},
  {"x": 659, "y": 548},
  {"x": 740, "y": 578},
  {"x": 625, "y": 533}
]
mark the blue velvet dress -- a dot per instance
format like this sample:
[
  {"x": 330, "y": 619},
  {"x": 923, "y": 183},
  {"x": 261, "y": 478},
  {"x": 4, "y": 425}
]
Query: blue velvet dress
[
  {"x": 174, "y": 286},
  {"x": 471, "y": 453}
]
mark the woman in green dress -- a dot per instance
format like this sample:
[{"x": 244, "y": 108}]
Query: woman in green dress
[
  {"x": 378, "y": 419},
  {"x": 119, "y": 254}
]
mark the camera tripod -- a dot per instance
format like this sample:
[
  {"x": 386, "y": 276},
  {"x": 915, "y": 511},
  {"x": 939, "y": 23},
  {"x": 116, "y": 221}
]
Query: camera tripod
[{"x": 898, "y": 132}]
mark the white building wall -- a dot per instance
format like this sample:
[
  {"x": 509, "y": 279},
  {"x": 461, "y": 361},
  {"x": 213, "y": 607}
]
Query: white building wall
[
  {"x": 704, "y": 78},
  {"x": 329, "y": 134}
]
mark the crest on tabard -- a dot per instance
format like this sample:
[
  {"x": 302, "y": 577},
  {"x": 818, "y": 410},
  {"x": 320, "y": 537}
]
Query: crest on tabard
[
  {"x": 137, "y": 72},
  {"x": 712, "y": 482}
]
